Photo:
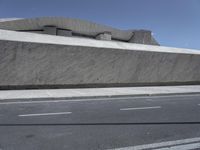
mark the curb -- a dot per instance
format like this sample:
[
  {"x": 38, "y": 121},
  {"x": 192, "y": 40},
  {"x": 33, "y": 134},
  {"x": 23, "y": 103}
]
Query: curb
[{"x": 95, "y": 97}]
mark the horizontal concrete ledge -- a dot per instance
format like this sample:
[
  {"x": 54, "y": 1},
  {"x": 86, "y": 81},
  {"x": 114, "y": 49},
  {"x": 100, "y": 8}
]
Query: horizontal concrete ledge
[
  {"x": 73, "y": 41},
  {"x": 97, "y": 93},
  {"x": 99, "y": 85}
]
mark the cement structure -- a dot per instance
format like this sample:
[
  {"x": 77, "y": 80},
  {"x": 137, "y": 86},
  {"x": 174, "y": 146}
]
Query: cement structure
[{"x": 88, "y": 55}]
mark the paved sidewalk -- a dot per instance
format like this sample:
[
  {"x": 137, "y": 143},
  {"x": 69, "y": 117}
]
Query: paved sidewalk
[{"x": 97, "y": 92}]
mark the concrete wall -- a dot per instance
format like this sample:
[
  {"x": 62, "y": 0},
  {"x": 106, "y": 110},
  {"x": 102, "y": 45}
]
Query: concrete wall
[{"x": 44, "y": 64}]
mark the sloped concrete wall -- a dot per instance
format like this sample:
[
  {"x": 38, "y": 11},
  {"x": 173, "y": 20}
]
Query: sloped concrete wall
[{"x": 26, "y": 64}]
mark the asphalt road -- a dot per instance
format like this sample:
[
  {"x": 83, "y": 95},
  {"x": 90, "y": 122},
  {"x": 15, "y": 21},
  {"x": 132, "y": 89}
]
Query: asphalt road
[{"x": 105, "y": 123}]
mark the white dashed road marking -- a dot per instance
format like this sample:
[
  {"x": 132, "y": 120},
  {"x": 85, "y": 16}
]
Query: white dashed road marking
[
  {"x": 141, "y": 108},
  {"x": 45, "y": 114}
]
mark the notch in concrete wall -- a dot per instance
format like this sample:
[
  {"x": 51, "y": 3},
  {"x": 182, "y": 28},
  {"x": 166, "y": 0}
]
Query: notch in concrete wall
[{"x": 104, "y": 36}]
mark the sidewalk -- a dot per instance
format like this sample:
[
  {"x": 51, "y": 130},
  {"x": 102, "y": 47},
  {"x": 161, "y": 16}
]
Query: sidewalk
[{"x": 98, "y": 92}]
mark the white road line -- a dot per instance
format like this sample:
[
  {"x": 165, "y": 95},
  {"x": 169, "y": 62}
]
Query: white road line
[
  {"x": 141, "y": 108},
  {"x": 182, "y": 147},
  {"x": 92, "y": 99},
  {"x": 162, "y": 144},
  {"x": 45, "y": 114}
]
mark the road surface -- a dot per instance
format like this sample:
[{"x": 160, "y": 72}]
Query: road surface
[{"x": 158, "y": 122}]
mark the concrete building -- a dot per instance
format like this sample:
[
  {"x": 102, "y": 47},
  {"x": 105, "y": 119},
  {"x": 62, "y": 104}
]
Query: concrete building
[
  {"x": 58, "y": 52},
  {"x": 77, "y": 28}
]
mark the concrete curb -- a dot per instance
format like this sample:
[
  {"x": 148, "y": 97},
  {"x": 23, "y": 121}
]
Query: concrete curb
[{"x": 96, "y": 97}]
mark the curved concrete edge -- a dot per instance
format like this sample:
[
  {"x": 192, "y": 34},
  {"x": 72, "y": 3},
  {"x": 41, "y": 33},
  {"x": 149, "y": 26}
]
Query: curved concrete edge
[{"x": 7, "y": 35}]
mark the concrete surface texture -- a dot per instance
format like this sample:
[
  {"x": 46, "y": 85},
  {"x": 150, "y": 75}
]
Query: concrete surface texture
[
  {"x": 78, "y": 27},
  {"x": 28, "y": 59}
]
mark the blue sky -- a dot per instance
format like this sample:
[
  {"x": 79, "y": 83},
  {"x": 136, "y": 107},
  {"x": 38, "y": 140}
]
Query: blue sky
[{"x": 173, "y": 22}]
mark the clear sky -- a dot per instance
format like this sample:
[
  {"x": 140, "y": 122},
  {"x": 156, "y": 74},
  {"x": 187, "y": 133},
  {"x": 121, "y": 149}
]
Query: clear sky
[{"x": 173, "y": 22}]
